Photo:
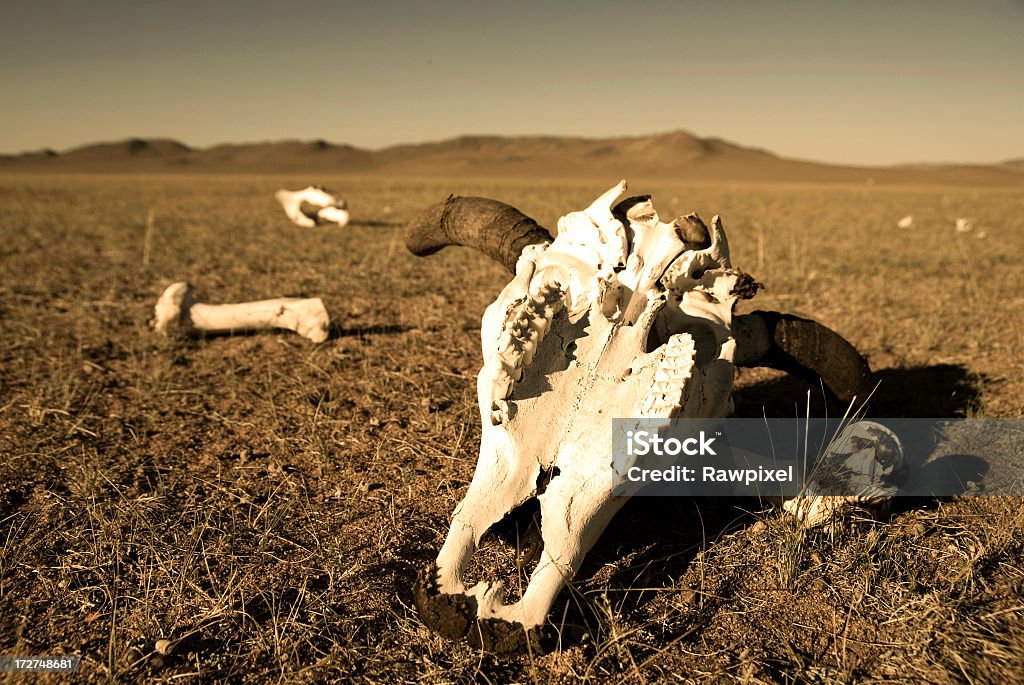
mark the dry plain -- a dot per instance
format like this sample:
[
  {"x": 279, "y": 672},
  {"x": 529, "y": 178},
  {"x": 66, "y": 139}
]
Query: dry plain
[{"x": 264, "y": 504}]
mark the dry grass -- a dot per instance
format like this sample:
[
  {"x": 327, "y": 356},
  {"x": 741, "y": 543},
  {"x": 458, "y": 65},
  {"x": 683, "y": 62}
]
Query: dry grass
[{"x": 264, "y": 505}]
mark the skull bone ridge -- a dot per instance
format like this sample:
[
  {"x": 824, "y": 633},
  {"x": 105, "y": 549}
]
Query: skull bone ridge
[{"x": 622, "y": 315}]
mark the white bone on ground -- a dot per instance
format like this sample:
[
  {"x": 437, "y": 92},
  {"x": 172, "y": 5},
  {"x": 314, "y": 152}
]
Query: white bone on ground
[
  {"x": 964, "y": 225},
  {"x": 177, "y": 310},
  {"x": 550, "y": 383},
  {"x": 852, "y": 460},
  {"x": 544, "y": 405},
  {"x": 329, "y": 208},
  {"x": 334, "y": 215}
]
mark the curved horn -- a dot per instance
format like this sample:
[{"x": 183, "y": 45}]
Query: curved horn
[
  {"x": 804, "y": 348},
  {"x": 495, "y": 228}
]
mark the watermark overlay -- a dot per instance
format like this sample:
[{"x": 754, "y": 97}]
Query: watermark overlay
[
  {"x": 789, "y": 457},
  {"x": 39, "y": 664}
]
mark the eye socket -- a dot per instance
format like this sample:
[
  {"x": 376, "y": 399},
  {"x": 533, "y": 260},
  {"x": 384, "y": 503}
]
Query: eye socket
[{"x": 697, "y": 274}]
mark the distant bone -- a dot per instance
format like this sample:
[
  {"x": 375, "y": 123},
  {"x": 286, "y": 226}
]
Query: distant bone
[
  {"x": 177, "y": 312},
  {"x": 963, "y": 225},
  {"x": 312, "y": 206}
]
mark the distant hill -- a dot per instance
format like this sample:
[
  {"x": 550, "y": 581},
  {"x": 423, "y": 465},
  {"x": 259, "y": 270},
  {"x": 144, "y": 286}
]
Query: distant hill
[
  {"x": 1016, "y": 165},
  {"x": 134, "y": 148},
  {"x": 675, "y": 155}
]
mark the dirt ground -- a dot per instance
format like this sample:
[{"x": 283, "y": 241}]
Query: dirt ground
[{"x": 256, "y": 508}]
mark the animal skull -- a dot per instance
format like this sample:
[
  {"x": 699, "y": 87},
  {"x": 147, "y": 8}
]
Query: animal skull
[
  {"x": 621, "y": 315},
  {"x": 312, "y": 206}
]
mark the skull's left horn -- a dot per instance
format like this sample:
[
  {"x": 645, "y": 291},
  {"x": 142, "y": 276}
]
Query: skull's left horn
[{"x": 498, "y": 230}]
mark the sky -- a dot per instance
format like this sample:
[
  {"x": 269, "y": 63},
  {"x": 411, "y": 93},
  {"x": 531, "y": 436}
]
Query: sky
[{"x": 846, "y": 82}]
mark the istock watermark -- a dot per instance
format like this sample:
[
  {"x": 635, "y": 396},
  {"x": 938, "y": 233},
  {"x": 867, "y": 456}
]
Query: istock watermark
[
  {"x": 783, "y": 457},
  {"x": 642, "y": 442}
]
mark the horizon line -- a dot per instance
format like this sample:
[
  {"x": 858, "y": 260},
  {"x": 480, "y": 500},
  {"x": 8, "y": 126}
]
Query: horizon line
[{"x": 319, "y": 140}]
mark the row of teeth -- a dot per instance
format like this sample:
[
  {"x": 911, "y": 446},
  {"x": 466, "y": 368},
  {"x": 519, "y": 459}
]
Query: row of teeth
[
  {"x": 525, "y": 327},
  {"x": 671, "y": 381}
]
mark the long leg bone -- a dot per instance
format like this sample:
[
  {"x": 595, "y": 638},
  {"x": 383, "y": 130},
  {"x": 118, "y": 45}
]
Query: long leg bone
[{"x": 177, "y": 311}]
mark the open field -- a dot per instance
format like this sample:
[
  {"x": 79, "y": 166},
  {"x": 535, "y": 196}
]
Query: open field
[{"x": 265, "y": 504}]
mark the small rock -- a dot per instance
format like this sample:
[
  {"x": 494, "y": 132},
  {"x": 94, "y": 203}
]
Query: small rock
[{"x": 163, "y": 647}]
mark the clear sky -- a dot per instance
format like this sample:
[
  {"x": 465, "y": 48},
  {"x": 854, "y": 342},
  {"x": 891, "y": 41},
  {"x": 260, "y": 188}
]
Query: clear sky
[{"x": 851, "y": 82}]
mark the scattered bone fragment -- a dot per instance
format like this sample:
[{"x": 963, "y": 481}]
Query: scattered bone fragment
[
  {"x": 963, "y": 225},
  {"x": 906, "y": 222},
  {"x": 858, "y": 470},
  {"x": 177, "y": 312},
  {"x": 312, "y": 206}
]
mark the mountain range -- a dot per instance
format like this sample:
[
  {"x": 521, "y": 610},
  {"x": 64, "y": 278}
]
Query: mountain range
[{"x": 675, "y": 155}]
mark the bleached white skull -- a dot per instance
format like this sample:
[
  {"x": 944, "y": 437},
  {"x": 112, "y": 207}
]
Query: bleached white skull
[{"x": 622, "y": 315}]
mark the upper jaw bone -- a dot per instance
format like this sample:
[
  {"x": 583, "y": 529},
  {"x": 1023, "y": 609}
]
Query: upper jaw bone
[
  {"x": 176, "y": 310},
  {"x": 526, "y": 323}
]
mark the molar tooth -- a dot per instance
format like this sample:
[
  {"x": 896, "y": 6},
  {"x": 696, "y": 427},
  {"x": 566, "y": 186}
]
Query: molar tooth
[
  {"x": 493, "y": 384},
  {"x": 529, "y": 350},
  {"x": 502, "y": 383},
  {"x": 499, "y": 412},
  {"x": 539, "y": 326},
  {"x": 668, "y": 393}
]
